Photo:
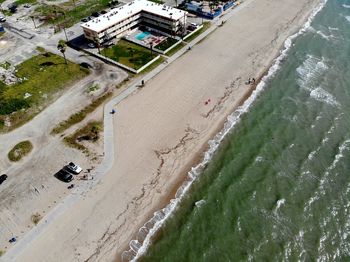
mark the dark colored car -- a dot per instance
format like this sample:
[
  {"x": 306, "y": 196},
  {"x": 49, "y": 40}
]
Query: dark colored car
[
  {"x": 103, "y": 12},
  {"x": 3, "y": 178},
  {"x": 95, "y": 14},
  {"x": 85, "y": 65},
  {"x": 12, "y": 7},
  {"x": 84, "y": 20},
  {"x": 64, "y": 176}
]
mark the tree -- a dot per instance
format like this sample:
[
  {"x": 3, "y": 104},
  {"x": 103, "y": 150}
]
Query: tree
[{"x": 62, "y": 48}]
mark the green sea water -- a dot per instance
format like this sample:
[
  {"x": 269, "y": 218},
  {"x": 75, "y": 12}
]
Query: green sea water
[{"x": 278, "y": 187}]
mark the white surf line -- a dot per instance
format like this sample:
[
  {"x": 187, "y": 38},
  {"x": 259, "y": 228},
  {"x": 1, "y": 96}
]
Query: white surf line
[{"x": 109, "y": 151}]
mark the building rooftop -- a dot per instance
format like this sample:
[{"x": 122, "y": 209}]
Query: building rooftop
[{"x": 121, "y": 13}]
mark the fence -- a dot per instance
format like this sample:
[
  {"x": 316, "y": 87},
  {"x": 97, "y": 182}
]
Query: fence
[
  {"x": 111, "y": 61},
  {"x": 194, "y": 31}
]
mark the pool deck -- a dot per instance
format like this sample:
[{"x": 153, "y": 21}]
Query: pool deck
[{"x": 149, "y": 39}]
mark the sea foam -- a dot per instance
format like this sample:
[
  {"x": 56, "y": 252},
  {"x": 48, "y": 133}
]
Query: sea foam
[
  {"x": 154, "y": 223},
  {"x": 323, "y": 96},
  {"x": 310, "y": 72},
  {"x": 322, "y": 34}
]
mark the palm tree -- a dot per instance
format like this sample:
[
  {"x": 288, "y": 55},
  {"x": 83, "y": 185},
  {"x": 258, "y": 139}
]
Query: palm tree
[{"x": 62, "y": 48}]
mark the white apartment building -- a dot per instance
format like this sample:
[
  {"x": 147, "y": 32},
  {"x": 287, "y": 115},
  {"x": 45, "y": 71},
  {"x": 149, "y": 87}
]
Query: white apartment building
[{"x": 120, "y": 21}]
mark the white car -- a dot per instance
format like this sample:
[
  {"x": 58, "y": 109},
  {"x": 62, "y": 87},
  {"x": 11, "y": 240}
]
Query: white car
[
  {"x": 74, "y": 168},
  {"x": 2, "y": 19}
]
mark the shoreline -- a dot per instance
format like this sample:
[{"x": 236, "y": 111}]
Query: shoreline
[
  {"x": 134, "y": 180},
  {"x": 184, "y": 175},
  {"x": 199, "y": 158}
]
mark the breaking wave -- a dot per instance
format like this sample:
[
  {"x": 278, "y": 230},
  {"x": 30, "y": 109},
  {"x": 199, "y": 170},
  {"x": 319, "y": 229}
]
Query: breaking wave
[
  {"x": 320, "y": 33},
  {"x": 323, "y": 96},
  {"x": 310, "y": 72}
]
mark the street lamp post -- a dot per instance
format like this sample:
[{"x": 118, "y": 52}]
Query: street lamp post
[{"x": 65, "y": 33}]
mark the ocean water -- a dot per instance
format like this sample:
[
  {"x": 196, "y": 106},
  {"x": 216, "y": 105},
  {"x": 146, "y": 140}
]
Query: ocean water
[{"x": 278, "y": 187}]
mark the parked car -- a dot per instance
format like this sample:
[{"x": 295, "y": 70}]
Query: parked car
[
  {"x": 74, "y": 168},
  {"x": 85, "y": 65},
  {"x": 84, "y": 20},
  {"x": 3, "y": 177},
  {"x": 12, "y": 7},
  {"x": 2, "y": 19},
  {"x": 64, "y": 176},
  {"x": 91, "y": 45},
  {"x": 95, "y": 14},
  {"x": 27, "y": 5}
]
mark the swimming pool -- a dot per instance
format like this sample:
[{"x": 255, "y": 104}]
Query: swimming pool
[{"x": 142, "y": 35}]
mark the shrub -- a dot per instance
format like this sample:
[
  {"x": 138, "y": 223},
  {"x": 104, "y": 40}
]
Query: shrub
[
  {"x": 20, "y": 150},
  {"x": 36, "y": 218}
]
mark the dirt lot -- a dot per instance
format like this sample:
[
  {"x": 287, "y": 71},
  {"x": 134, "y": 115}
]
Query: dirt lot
[{"x": 31, "y": 186}]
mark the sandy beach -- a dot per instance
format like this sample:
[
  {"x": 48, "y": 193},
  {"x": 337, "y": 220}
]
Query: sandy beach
[{"x": 162, "y": 130}]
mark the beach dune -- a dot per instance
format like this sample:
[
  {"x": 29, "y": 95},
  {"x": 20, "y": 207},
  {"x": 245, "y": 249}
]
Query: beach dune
[{"x": 163, "y": 129}]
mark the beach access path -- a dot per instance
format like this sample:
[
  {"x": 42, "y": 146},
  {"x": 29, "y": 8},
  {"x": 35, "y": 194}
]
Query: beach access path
[{"x": 160, "y": 131}]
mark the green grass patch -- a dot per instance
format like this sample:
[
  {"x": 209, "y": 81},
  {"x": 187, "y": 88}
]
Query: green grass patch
[
  {"x": 175, "y": 49},
  {"x": 79, "y": 116},
  {"x": 7, "y": 12},
  {"x": 125, "y": 81},
  {"x": 21, "y": 2},
  {"x": 160, "y": 60},
  {"x": 167, "y": 43},
  {"x": 129, "y": 54},
  {"x": 40, "y": 49},
  {"x": 90, "y": 132},
  {"x": 206, "y": 25},
  {"x": 41, "y": 76},
  {"x": 20, "y": 150},
  {"x": 71, "y": 12},
  {"x": 93, "y": 88},
  {"x": 5, "y": 65},
  {"x": 2, "y": 252}
]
